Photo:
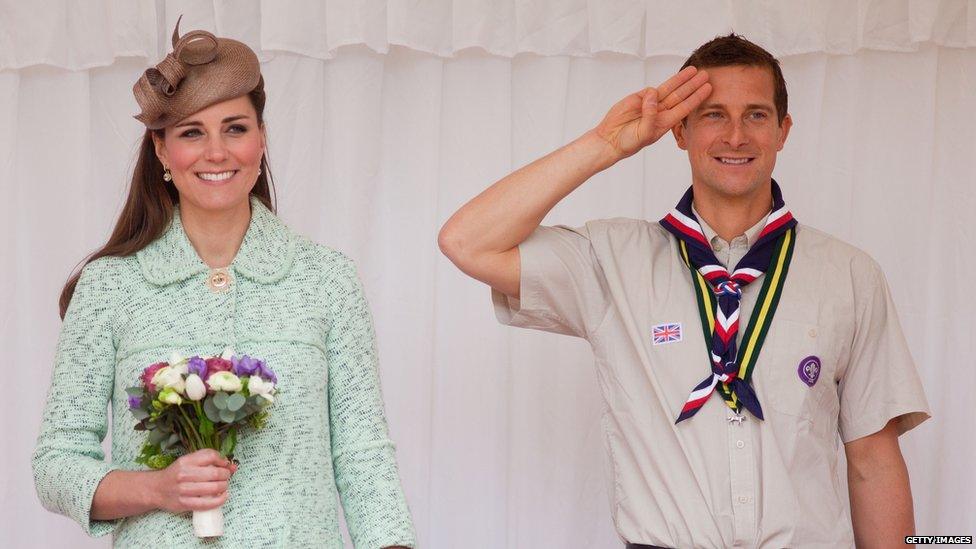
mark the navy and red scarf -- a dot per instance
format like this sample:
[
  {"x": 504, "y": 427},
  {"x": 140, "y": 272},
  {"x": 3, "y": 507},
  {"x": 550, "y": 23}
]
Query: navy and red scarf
[{"x": 718, "y": 293}]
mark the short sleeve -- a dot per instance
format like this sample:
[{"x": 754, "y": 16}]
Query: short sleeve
[
  {"x": 562, "y": 288},
  {"x": 68, "y": 461},
  {"x": 880, "y": 381}
]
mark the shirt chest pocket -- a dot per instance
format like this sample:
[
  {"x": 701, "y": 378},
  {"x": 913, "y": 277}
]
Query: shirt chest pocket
[{"x": 795, "y": 371}]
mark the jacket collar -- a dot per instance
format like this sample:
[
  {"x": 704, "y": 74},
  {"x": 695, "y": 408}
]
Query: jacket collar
[{"x": 265, "y": 256}]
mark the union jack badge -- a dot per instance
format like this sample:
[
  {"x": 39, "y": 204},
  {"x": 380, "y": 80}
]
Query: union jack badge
[{"x": 667, "y": 333}]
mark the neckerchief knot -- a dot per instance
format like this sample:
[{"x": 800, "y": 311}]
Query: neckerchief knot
[{"x": 728, "y": 288}]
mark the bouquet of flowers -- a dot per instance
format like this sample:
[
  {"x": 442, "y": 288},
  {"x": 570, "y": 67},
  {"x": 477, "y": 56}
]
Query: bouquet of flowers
[{"x": 188, "y": 404}]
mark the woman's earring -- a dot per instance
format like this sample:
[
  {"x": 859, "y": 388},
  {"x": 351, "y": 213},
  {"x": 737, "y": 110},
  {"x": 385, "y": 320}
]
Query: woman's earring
[
  {"x": 167, "y": 176},
  {"x": 259, "y": 171}
]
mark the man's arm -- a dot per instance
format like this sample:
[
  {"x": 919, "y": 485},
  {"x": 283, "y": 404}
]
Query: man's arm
[
  {"x": 482, "y": 237},
  {"x": 881, "y": 497}
]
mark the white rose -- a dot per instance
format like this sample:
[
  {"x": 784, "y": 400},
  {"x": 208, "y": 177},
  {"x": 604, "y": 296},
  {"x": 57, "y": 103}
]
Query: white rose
[
  {"x": 227, "y": 354},
  {"x": 178, "y": 362},
  {"x": 224, "y": 381},
  {"x": 258, "y": 386},
  {"x": 169, "y": 377},
  {"x": 195, "y": 389}
]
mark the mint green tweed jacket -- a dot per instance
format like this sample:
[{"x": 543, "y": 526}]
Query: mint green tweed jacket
[{"x": 297, "y": 305}]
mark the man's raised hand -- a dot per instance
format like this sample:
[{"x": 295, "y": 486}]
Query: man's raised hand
[{"x": 642, "y": 118}]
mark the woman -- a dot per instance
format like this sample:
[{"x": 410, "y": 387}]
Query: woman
[{"x": 199, "y": 262}]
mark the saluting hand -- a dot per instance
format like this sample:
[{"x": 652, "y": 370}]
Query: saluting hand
[{"x": 642, "y": 118}]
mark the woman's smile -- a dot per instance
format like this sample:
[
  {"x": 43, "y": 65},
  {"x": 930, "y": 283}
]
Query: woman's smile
[{"x": 216, "y": 178}]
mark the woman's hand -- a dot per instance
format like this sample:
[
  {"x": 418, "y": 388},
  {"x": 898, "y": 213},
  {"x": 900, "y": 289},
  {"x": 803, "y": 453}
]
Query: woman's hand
[
  {"x": 194, "y": 482},
  {"x": 643, "y": 117}
]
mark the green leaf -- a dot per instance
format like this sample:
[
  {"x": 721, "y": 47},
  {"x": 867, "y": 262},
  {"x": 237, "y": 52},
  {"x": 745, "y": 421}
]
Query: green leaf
[
  {"x": 160, "y": 461},
  {"x": 235, "y": 401},
  {"x": 209, "y": 408},
  {"x": 156, "y": 436},
  {"x": 147, "y": 451},
  {"x": 258, "y": 420},
  {"x": 169, "y": 442},
  {"x": 134, "y": 391},
  {"x": 220, "y": 400},
  {"x": 152, "y": 456},
  {"x": 206, "y": 426},
  {"x": 229, "y": 443},
  {"x": 227, "y": 416},
  {"x": 140, "y": 414}
]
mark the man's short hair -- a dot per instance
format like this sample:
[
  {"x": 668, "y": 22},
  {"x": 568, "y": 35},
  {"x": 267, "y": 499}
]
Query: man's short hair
[{"x": 732, "y": 50}]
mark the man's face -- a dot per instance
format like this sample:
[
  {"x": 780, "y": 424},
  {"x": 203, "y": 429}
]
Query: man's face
[{"x": 732, "y": 138}]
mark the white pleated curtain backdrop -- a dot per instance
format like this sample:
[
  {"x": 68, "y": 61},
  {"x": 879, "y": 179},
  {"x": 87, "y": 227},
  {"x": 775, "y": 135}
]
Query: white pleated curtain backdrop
[{"x": 384, "y": 117}]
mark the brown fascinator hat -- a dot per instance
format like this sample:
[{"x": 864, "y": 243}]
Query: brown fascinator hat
[{"x": 201, "y": 70}]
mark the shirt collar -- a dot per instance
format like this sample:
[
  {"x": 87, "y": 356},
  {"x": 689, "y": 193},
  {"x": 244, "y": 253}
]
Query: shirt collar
[
  {"x": 265, "y": 256},
  {"x": 713, "y": 237}
]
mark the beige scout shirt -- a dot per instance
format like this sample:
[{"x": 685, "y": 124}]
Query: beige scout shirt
[{"x": 709, "y": 482}]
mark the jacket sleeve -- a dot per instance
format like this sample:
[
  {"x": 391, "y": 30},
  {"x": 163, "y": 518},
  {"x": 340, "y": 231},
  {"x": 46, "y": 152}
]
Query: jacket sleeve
[
  {"x": 68, "y": 461},
  {"x": 362, "y": 453}
]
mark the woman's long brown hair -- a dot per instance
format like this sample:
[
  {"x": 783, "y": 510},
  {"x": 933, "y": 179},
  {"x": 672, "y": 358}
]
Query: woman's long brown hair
[{"x": 149, "y": 207}]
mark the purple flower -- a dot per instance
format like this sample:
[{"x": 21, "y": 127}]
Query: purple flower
[
  {"x": 198, "y": 366},
  {"x": 245, "y": 365},
  {"x": 266, "y": 372},
  {"x": 249, "y": 366},
  {"x": 135, "y": 401}
]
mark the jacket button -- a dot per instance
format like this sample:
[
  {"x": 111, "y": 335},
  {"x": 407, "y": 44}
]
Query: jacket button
[{"x": 219, "y": 280}]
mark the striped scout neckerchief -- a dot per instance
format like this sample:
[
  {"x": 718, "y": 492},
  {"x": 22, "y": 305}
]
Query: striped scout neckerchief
[{"x": 718, "y": 293}]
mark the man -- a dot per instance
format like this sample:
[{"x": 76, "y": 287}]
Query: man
[{"x": 727, "y": 295}]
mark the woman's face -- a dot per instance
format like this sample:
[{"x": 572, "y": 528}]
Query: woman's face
[{"x": 214, "y": 154}]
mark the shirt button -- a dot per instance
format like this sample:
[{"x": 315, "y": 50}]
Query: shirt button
[
  {"x": 813, "y": 332},
  {"x": 740, "y": 444},
  {"x": 717, "y": 246},
  {"x": 743, "y": 499}
]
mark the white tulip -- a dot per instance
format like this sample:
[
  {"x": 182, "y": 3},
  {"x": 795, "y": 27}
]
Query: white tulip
[
  {"x": 258, "y": 386},
  {"x": 169, "y": 377},
  {"x": 195, "y": 389},
  {"x": 224, "y": 381}
]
